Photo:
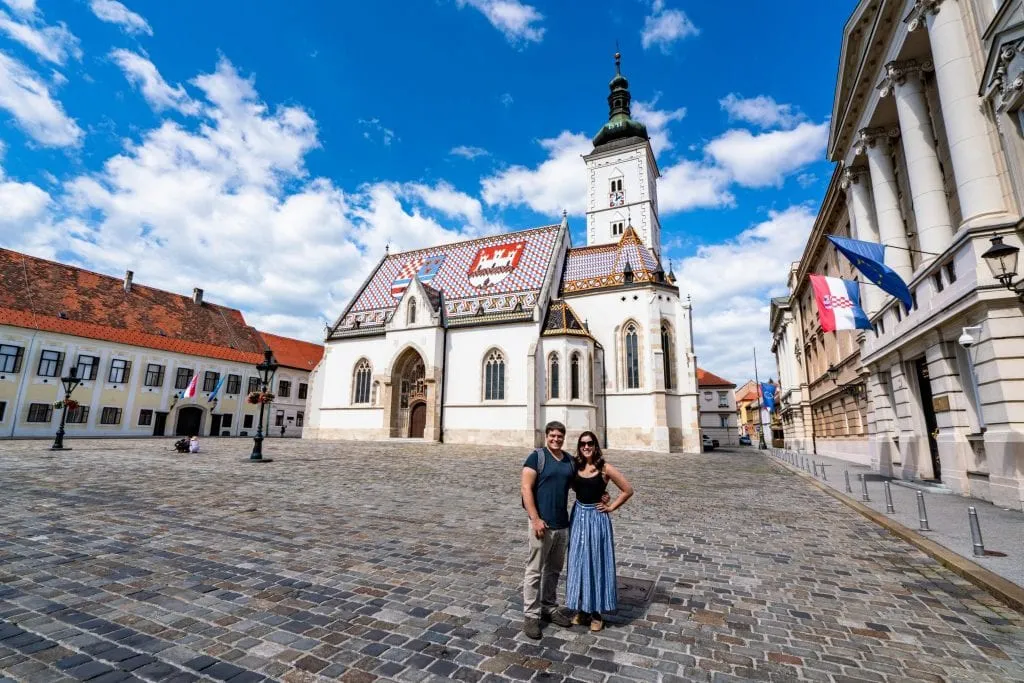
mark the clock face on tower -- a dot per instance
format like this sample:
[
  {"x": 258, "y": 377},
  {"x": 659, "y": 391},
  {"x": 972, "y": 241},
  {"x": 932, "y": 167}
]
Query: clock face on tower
[{"x": 616, "y": 198}]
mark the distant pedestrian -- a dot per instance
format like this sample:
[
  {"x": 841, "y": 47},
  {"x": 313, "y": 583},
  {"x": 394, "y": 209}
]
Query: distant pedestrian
[
  {"x": 282, "y": 430},
  {"x": 591, "y": 586},
  {"x": 544, "y": 483},
  {"x": 193, "y": 444}
]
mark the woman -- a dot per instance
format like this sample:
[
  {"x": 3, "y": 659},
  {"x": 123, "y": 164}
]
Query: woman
[{"x": 591, "y": 586}]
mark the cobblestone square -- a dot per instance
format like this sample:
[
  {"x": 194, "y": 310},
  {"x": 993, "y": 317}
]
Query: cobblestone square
[{"x": 122, "y": 561}]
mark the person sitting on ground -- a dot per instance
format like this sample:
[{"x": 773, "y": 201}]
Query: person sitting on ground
[{"x": 193, "y": 444}]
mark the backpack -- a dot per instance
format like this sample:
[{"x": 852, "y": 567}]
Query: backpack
[{"x": 542, "y": 457}]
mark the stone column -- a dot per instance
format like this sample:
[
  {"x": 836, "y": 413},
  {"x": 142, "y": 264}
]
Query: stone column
[
  {"x": 863, "y": 226},
  {"x": 892, "y": 230},
  {"x": 970, "y": 147},
  {"x": 931, "y": 210}
]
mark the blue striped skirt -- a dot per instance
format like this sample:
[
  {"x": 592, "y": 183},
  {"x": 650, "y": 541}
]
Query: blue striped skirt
[{"x": 590, "y": 583}]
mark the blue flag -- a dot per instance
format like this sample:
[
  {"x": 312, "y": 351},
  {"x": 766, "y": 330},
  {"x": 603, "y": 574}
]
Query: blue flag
[
  {"x": 216, "y": 389},
  {"x": 869, "y": 259},
  {"x": 768, "y": 390}
]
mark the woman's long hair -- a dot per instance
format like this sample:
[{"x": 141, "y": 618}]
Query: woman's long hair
[{"x": 581, "y": 460}]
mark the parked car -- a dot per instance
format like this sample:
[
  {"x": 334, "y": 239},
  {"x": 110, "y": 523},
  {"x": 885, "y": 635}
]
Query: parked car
[
  {"x": 714, "y": 442},
  {"x": 745, "y": 440},
  {"x": 708, "y": 443}
]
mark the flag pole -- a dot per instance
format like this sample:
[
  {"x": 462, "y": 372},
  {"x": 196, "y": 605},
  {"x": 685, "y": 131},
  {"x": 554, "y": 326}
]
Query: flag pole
[{"x": 760, "y": 404}]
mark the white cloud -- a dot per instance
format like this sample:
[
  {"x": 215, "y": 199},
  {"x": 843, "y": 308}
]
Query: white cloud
[
  {"x": 114, "y": 12},
  {"x": 693, "y": 185},
  {"x": 765, "y": 159},
  {"x": 373, "y": 129},
  {"x": 506, "y": 99},
  {"x": 657, "y": 121},
  {"x": 23, "y": 7},
  {"x": 761, "y": 111},
  {"x": 731, "y": 282},
  {"x": 557, "y": 183},
  {"x": 519, "y": 23},
  {"x": 805, "y": 180},
  {"x": 230, "y": 207},
  {"x": 468, "y": 152},
  {"x": 52, "y": 43},
  {"x": 26, "y": 97},
  {"x": 141, "y": 73},
  {"x": 663, "y": 27}
]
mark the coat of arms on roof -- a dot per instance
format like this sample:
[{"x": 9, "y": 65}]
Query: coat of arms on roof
[
  {"x": 424, "y": 268},
  {"x": 493, "y": 264}
]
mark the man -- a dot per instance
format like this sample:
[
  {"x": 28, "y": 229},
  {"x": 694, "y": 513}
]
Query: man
[{"x": 546, "y": 498}]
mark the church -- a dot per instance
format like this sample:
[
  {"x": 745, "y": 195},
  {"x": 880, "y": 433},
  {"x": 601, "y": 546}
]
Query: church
[{"x": 487, "y": 340}]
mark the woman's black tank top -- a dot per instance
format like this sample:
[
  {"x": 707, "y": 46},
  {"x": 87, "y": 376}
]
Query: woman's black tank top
[{"x": 589, "y": 489}]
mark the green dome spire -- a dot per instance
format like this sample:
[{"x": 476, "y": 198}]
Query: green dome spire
[{"x": 620, "y": 123}]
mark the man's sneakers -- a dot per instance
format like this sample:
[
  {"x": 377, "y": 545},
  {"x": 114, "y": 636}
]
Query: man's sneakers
[
  {"x": 531, "y": 627},
  {"x": 559, "y": 617}
]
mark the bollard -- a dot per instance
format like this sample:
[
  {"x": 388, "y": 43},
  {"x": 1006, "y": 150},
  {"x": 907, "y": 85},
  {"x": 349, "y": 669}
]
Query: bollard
[
  {"x": 864, "y": 489},
  {"x": 888, "y": 498},
  {"x": 979, "y": 544},
  {"x": 846, "y": 475},
  {"x": 922, "y": 514},
  {"x": 824, "y": 477}
]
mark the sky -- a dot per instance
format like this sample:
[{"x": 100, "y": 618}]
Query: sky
[{"x": 269, "y": 152}]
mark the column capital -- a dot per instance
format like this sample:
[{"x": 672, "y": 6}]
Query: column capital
[
  {"x": 880, "y": 136},
  {"x": 897, "y": 72},
  {"x": 853, "y": 175},
  {"x": 918, "y": 14}
]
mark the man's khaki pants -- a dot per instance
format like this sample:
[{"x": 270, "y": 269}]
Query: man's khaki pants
[{"x": 540, "y": 585}]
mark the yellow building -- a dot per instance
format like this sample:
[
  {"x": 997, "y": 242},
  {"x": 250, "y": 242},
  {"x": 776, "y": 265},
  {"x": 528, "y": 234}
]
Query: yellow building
[{"x": 136, "y": 350}]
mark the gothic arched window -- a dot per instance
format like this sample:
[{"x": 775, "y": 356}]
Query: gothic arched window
[
  {"x": 412, "y": 312},
  {"x": 361, "y": 382},
  {"x": 554, "y": 380},
  {"x": 574, "y": 376},
  {"x": 667, "y": 360},
  {"x": 494, "y": 376},
  {"x": 631, "y": 345}
]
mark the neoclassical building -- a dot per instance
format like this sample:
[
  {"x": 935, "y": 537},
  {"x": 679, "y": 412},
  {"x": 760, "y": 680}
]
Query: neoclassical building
[
  {"x": 485, "y": 341},
  {"x": 926, "y": 131}
]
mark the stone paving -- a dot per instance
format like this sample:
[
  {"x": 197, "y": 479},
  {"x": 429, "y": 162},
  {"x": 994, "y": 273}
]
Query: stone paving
[{"x": 121, "y": 561}]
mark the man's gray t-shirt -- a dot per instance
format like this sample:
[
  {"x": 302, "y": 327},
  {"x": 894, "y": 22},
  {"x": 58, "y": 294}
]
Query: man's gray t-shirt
[{"x": 551, "y": 492}]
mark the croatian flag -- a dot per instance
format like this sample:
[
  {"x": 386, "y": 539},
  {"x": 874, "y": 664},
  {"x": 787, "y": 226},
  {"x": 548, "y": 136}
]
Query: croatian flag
[
  {"x": 838, "y": 304},
  {"x": 190, "y": 392}
]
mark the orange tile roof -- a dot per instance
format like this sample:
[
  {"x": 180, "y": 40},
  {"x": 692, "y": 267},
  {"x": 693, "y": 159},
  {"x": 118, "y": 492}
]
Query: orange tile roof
[
  {"x": 706, "y": 379},
  {"x": 45, "y": 295},
  {"x": 751, "y": 395},
  {"x": 293, "y": 353}
]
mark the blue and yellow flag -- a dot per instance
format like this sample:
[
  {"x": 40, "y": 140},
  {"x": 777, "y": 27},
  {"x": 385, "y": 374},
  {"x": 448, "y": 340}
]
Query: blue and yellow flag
[{"x": 869, "y": 259}]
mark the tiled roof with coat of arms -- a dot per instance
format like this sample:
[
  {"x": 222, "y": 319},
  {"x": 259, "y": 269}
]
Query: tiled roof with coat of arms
[
  {"x": 607, "y": 265},
  {"x": 495, "y": 277}
]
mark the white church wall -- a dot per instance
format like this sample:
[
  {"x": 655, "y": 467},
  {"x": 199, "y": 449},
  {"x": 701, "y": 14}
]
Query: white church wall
[
  {"x": 577, "y": 414},
  {"x": 468, "y": 418},
  {"x": 337, "y": 417}
]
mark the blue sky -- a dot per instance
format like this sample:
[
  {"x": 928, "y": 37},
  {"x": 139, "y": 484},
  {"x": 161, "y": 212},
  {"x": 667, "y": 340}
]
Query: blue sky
[{"x": 267, "y": 151}]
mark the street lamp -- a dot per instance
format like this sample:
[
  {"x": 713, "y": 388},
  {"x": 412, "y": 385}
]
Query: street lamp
[
  {"x": 833, "y": 373},
  {"x": 266, "y": 369},
  {"x": 70, "y": 383},
  {"x": 1002, "y": 261}
]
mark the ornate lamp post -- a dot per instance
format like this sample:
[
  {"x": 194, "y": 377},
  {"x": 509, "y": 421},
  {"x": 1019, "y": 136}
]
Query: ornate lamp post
[
  {"x": 833, "y": 373},
  {"x": 1002, "y": 261},
  {"x": 70, "y": 383},
  {"x": 266, "y": 369}
]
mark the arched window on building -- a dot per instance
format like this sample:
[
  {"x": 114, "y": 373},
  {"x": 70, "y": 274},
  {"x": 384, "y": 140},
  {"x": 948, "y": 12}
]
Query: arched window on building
[
  {"x": 361, "y": 382},
  {"x": 554, "y": 380},
  {"x": 667, "y": 360},
  {"x": 494, "y": 376},
  {"x": 412, "y": 311},
  {"x": 574, "y": 377},
  {"x": 631, "y": 345}
]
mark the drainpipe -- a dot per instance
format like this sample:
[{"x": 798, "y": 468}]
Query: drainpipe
[{"x": 444, "y": 365}]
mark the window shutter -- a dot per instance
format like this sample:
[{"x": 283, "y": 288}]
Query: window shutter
[
  {"x": 60, "y": 363},
  {"x": 18, "y": 356},
  {"x": 127, "y": 371}
]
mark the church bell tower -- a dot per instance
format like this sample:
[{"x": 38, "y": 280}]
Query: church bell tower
[{"x": 622, "y": 175}]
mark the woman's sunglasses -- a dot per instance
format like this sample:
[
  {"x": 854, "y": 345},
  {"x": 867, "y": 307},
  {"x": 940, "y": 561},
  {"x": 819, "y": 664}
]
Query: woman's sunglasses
[{"x": 586, "y": 444}]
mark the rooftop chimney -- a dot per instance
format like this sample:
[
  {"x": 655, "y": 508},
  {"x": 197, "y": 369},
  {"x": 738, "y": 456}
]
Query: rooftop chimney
[
  {"x": 128, "y": 281},
  {"x": 197, "y": 296}
]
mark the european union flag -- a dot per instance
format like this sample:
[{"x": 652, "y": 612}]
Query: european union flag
[{"x": 869, "y": 259}]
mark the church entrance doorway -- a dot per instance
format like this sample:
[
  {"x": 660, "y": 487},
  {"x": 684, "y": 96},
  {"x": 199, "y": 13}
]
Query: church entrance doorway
[
  {"x": 417, "y": 420},
  {"x": 408, "y": 390},
  {"x": 190, "y": 419}
]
